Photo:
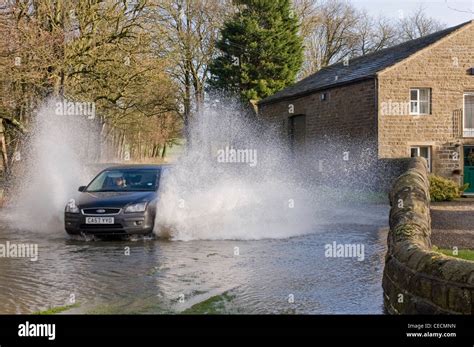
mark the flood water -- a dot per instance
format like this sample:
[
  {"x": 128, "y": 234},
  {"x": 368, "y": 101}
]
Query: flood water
[{"x": 278, "y": 276}]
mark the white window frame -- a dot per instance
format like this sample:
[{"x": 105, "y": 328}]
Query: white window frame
[
  {"x": 467, "y": 132},
  {"x": 417, "y": 113},
  {"x": 418, "y": 154}
]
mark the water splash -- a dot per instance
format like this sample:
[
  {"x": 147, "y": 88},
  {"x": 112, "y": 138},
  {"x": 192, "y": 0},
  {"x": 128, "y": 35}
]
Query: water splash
[
  {"x": 52, "y": 166},
  {"x": 263, "y": 192},
  {"x": 210, "y": 194}
]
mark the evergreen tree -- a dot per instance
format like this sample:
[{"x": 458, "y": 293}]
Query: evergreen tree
[{"x": 261, "y": 50}]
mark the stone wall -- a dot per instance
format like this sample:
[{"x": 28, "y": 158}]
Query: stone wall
[
  {"x": 417, "y": 280},
  {"x": 340, "y": 145},
  {"x": 349, "y": 111}
]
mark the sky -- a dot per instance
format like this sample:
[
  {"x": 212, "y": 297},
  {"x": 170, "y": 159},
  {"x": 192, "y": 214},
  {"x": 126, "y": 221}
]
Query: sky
[{"x": 449, "y": 12}]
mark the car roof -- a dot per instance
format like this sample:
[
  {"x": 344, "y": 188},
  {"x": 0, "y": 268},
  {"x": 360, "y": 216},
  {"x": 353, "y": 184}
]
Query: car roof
[{"x": 137, "y": 167}]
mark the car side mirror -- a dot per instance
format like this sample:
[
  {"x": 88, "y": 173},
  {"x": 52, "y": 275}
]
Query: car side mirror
[{"x": 82, "y": 188}]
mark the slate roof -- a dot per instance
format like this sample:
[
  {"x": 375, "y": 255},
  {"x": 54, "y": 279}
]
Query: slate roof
[{"x": 359, "y": 68}]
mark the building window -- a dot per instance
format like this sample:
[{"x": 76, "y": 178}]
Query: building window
[
  {"x": 468, "y": 119},
  {"x": 420, "y": 100},
  {"x": 422, "y": 151},
  {"x": 324, "y": 96}
]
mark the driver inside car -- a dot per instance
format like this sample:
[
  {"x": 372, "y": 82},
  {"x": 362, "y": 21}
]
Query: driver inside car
[{"x": 120, "y": 182}]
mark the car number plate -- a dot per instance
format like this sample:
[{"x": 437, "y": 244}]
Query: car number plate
[{"x": 99, "y": 220}]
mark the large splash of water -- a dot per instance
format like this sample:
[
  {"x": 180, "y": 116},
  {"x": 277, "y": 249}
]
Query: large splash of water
[
  {"x": 236, "y": 181},
  {"x": 52, "y": 165}
]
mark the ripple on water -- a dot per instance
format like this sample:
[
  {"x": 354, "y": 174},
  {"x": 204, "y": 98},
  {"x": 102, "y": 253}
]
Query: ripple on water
[{"x": 267, "y": 276}]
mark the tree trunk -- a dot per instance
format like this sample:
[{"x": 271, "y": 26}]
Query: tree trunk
[
  {"x": 163, "y": 152},
  {"x": 3, "y": 147},
  {"x": 156, "y": 150},
  {"x": 187, "y": 107}
]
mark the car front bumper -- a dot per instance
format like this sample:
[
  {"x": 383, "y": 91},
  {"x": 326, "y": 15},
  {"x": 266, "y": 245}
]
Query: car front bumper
[{"x": 137, "y": 223}]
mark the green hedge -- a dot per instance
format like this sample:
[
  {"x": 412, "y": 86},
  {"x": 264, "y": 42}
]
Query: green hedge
[{"x": 443, "y": 189}]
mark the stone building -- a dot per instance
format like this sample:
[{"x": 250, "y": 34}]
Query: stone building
[{"x": 413, "y": 99}]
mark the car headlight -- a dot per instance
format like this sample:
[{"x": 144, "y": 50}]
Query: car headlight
[
  {"x": 139, "y": 207},
  {"x": 71, "y": 206}
]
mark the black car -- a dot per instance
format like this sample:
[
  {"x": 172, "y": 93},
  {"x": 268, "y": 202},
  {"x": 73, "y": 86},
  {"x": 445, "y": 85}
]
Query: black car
[{"x": 120, "y": 200}]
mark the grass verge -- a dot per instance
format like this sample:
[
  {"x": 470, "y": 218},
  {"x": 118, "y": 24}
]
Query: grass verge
[
  {"x": 214, "y": 305},
  {"x": 467, "y": 254},
  {"x": 56, "y": 310}
]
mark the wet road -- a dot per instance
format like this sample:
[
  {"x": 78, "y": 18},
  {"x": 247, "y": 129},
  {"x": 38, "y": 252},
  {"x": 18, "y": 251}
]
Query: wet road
[{"x": 158, "y": 276}]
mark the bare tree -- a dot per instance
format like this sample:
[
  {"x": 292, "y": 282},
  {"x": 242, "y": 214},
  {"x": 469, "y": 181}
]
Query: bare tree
[
  {"x": 329, "y": 33},
  {"x": 372, "y": 34},
  {"x": 461, "y": 10},
  {"x": 335, "y": 29},
  {"x": 188, "y": 31},
  {"x": 307, "y": 12},
  {"x": 31, "y": 44},
  {"x": 96, "y": 51},
  {"x": 418, "y": 24}
]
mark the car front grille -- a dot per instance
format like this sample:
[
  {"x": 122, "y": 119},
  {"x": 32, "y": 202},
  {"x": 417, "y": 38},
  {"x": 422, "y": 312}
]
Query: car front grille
[{"x": 99, "y": 211}]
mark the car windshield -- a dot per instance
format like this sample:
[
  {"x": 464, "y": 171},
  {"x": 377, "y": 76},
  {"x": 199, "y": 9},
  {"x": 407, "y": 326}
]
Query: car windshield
[{"x": 127, "y": 180}]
